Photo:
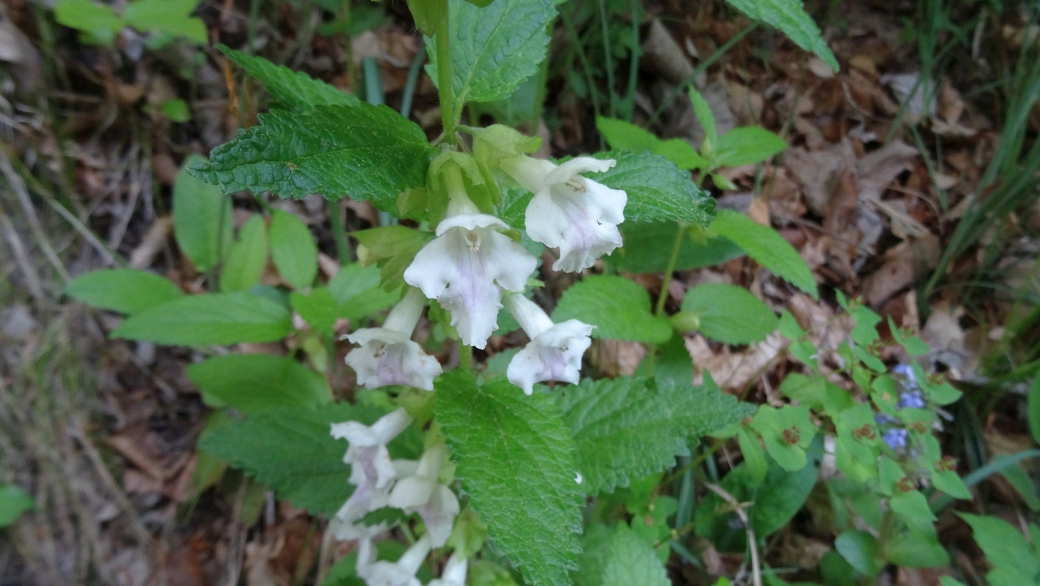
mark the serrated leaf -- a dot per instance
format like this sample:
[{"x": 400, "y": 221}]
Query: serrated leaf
[
  {"x": 211, "y": 318},
  {"x": 247, "y": 259},
  {"x": 292, "y": 451},
  {"x": 123, "y": 290},
  {"x": 172, "y": 17},
  {"x": 626, "y": 428},
  {"x": 729, "y": 314},
  {"x": 1013, "y": 561},
  {"x": 13, "y": 502},
  {"x": 658, "y": 191},
  {"x": 202, "y": 218},
  {"x": 516, "y": 462},
  {"x": 294, "y": 89},
  {"x": 494, "y": 49},
  {"x": 631, "y": 560},
  {"x": 255, "y": 382},
  {"x": 791, "y": 19},
  {"x": 363, "y": 151},
  {"x": 618, "y": 307},
  {"x": 293, "y": 249},
  {"x": 746, "y": 145},
  {"x": 766, "y": 246}
]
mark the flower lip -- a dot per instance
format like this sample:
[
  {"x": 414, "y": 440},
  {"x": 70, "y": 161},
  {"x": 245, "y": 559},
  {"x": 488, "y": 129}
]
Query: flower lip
[{"x": 470, "y": 222}]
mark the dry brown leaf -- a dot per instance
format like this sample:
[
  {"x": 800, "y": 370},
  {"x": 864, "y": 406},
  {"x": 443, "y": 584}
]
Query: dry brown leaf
[
  {"x": 733, "y": 370},
  {"x": 902, "y": 266},
  {"x": 154, "y": 240}
]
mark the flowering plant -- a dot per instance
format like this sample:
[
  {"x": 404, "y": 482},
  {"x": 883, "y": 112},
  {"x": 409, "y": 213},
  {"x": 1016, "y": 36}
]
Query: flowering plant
[{"x": 447, "y": 448}]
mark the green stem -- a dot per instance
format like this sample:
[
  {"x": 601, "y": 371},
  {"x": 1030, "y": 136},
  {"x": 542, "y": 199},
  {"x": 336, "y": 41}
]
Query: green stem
[
  {"x": 447, "y": 95},
  {"x": 339, "y": 232},
  {"x": 607, "y": 56},
  {"x": 465, "y": 357},
  {"x": 673, "y": 259}
]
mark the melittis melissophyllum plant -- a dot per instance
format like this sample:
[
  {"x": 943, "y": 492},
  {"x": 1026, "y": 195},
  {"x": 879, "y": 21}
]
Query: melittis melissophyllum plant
[{"x": 450, "y": 456}]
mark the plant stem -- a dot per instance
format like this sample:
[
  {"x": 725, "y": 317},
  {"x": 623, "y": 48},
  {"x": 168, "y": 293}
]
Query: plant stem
[
  {"x": 447, "y": 94},
  {"x": 673, "y": 259},
  {"x": 339, "y": 232},
  {"x": 607, "y": 57}
]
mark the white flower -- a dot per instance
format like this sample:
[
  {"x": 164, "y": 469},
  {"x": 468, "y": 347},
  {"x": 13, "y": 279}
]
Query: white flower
[
  {"x": 578, "y": 215},
  {"x": 454, "y": 572},
  {"x": 388, "y": 356},
  {"x": 366, "y": 497},
  {"x": 399, "y": 573},
  {"x": 555, "y": 350},
  {"x": 371, "y": 469},
  {"x": 461, "y": 267},
  {"x": 421, "y": 493}
]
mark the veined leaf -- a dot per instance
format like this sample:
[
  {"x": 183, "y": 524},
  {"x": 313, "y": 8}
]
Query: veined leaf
[
  {"x": 495, "y": 48},
  {"x": 293, "y": 89},
  {"x": 791, "y": 19},
  {"x": 658, "y": 191},
  {"x": 364, "y": 151},
  {"x": 516, "y": 462},
  {"x": 766, "y": 246},
  {"x": 626, "y": 428}
]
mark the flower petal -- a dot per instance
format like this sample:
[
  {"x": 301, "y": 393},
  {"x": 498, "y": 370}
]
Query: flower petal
[{"x": 553, "y": 355}]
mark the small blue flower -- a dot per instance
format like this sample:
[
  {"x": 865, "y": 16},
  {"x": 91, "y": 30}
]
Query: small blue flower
[
  {"x": 906, "y": 371},
  {"x": 896, "y": 438},
  {"x": 882, "y": 419},
  {"x": 911, "y": 400}
]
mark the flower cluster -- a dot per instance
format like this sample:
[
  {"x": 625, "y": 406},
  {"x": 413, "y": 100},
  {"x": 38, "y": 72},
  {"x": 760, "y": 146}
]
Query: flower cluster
[
  {"x": 404, "y": 484},
  {"x": 402, "y": 572},
  {"x": 473, "y": 269}
]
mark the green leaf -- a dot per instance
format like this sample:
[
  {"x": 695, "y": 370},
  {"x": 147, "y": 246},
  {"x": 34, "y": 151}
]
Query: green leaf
[
  {"x": 392, "y": 248},
  {"x": 493, "y": 49},
  {"x": 318, "y": 308},
  {"x": 618, "y": 307},
  {"x": 292, "y": 451},
  {"x": 754, "y": 455},
  {"x": 775, "y": 502},
  {"x": 702, "y": 110},
  {"x": 13, "y": 502},
  {"x": 357, "y": 291},
  {"x": 516, "y": 462},
  {"x": 293, "y": 89},
  {"x": 786, "y": 433},
  {"x": 949, "y": 482},
  {"x": 202, "y": 219},
  {"x": 255, "y": 382},
  {"x": 247, "y": 259},
  {"x": 211, "y": 318},
  {"x": 595, "y": 554},
  {"x": 123, "y": 290},
  {"x": 176, "y": 110},
  {"x": 172, "y": 17},
  {"x": 746, "y": 145},
  {"x": 626, "y": 428},
  {"x": 1033, "y": 409},
  {"x": 791, "y": 19},
  {"x": 631, "y": 560},
  {"x": 914, "y": 550},
  {"x": 293, "y": 249},
  {"x": 860, "y": 549},
  {"x": 364, "y": 151},
  {"x": 766, "y": 246},
  {"x": 1014, "y": 562},
  {"x": 88, "y": 16},
  {"x": 658, "y": 191},
  {"x": 648, "y": 245},
  {"x": 729, "y": 314},
  {"x": 912, "y": 507},
  {"x": 625, "y": 136}
]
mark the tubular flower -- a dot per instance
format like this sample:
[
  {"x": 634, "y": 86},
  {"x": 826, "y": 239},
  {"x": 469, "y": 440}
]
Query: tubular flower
[
  {"x": 461, "y": 267},
  {"x": 575, "y": 214},
  {"x": 388, "y": 356},
  {"x": 421, "y": 493},
  {"x": 371, "y": 472},
  {"x": 555, "y": 350},
  {"x": 399, "y": 573}
]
